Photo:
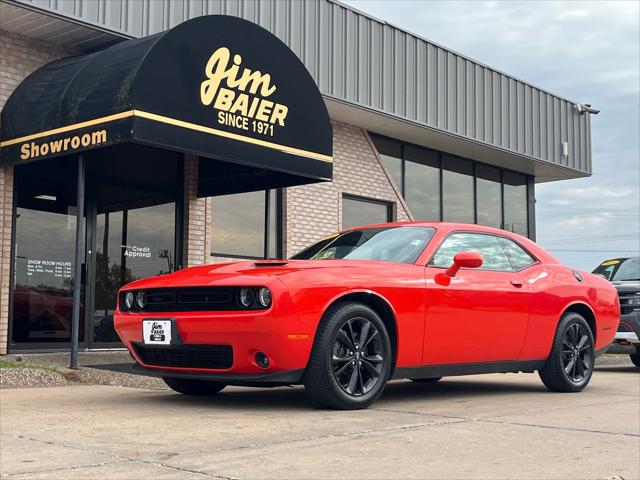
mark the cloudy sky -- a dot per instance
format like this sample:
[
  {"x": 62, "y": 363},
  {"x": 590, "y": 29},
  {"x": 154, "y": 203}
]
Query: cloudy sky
[{"x": 585, "y": 51}]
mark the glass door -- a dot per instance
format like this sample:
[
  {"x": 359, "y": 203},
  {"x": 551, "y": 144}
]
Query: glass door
[
  {"x": 130, "y": 243},
  {"x": 133, "y": 194}
]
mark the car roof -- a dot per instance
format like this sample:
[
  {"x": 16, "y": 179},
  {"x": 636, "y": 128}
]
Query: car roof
[{"x": 449, "y": 226}]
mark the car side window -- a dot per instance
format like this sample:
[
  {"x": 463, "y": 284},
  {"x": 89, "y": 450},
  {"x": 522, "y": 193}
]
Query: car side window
[
  {"x": 519, "y": 257},
  {"x": 488, "y": 246}
]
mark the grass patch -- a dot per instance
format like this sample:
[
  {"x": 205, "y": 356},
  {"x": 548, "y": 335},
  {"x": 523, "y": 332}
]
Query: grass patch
[{"x": 10, "y": 364}]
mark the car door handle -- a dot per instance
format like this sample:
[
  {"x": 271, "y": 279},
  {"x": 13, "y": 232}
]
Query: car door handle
[{"x": 516, "y": 283}]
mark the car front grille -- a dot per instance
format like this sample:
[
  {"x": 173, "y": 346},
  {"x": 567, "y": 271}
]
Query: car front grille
[
  {"x": 625, "y": 298},
  {"x": 191, "y": 299},
  {"x": 186, "y": 356}
]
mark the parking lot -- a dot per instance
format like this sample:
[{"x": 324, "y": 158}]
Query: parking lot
[{"x": 489, "y": 426}]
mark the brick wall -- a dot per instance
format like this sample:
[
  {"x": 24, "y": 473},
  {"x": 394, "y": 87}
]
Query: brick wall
[
  {"x": 197, "y": 217},
  {"x": 6, "y": 208},
  {"x": 313, "y": 211},
  {"x": 19, "y": 56}
]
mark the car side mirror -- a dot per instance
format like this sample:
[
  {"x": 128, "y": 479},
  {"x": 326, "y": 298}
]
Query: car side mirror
[{"x": 461, "y": 260}]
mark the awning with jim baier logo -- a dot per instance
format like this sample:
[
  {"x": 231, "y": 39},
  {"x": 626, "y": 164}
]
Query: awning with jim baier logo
[{"x": 216, "y": 86}]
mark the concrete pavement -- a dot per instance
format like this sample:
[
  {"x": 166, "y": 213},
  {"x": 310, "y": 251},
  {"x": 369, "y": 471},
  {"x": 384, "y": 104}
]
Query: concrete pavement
[{"x": 488, "y": 426}]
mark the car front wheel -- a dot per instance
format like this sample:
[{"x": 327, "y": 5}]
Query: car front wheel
[
  {"x": 635, "y": 359},
  {"x": 193, "y": 387},
  {"x": 570, "y": 363},
  {"x": 351, "y": 358}
]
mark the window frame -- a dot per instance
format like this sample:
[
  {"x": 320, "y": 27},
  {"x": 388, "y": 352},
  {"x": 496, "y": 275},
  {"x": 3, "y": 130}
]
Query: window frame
[
  {"x": 267, "y": 229},
  {"x": 497, "y": 235},
  {"x": 534, "y": 259},
  {"x": 358, "y": 198}
]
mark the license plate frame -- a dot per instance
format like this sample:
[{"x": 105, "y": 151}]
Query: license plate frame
[{"x": 157, "y": 331}]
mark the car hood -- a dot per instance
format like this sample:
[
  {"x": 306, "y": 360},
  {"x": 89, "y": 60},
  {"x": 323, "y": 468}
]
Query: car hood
[{"x": 254, "y": 271}]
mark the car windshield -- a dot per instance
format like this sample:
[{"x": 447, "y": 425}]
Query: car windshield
[
  {"x": 391, "y": 244},
  {"x": 620, "y": 269}
]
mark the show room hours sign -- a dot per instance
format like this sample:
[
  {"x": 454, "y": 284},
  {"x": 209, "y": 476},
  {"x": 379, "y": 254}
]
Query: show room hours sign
[{"x": 57, "y": 268}]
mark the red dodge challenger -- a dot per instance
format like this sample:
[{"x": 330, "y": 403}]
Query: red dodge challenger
[{"x": 401, "y": 300}]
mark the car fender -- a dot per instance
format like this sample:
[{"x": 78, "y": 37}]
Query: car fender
[
  {"x": 366, "y": 291},
  {"x": 363, "y": 291}
]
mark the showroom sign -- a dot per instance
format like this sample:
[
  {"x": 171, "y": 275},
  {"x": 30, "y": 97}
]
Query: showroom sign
[
  {"x": 214, "y": 86},
  {"x": 33, "y": 150}
]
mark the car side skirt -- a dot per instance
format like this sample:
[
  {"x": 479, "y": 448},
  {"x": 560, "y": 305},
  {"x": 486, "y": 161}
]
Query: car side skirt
[
  {"x": 434, "y": 371},
  {"x": 274, "y": 379}
]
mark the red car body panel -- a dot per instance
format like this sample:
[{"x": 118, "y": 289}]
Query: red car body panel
[{"x": 482, "y": 316}]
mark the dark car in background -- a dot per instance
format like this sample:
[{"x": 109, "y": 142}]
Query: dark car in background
[{"x": 624, "y": 273}]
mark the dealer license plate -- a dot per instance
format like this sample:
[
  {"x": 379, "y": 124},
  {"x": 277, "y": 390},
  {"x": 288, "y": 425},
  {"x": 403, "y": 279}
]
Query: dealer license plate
[{"x": 156, "y": 332}]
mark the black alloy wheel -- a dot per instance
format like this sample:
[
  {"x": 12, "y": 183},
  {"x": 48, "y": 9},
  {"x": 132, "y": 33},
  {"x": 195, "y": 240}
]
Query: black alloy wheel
[
  {"x": 569, "y": 366},
  {"x": 351, "y": 358},
  {"x": 358, "y": 356},
  {"x": 576, "y": 353}
]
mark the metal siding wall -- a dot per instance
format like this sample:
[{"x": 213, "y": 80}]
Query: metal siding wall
[{"x": 361, "y": 60}]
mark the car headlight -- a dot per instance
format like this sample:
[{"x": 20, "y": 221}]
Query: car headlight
[
  {"x": 246, "y": 297},
  {"x": 264, "y": 297},
  {"x": 128, "y": 300},
  {"x": 141, "y": 300}
]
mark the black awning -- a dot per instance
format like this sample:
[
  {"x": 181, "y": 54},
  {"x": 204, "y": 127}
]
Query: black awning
[{"x": 216, "y": 86}]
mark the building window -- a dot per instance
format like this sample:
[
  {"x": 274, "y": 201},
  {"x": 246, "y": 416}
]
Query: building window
[
  {"x": 246, "y": 225},
  {"x": 391, "y": 154},
  {"x": 457, "y": 190},
  {"x": 422, "y": 183},
  {"x": 358, "y": 211},
  {"x": 515, "y": 203},
  {"x": 437, "y": 186},
  {"x": 44, "y": 268},
  {"x": 488, "y": 196}
]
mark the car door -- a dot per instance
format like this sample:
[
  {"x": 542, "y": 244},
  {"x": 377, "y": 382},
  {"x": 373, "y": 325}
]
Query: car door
[{"x": 482, "y": 315}]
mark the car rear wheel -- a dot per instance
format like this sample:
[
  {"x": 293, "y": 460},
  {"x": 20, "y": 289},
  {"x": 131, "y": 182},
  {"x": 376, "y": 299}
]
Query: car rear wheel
[
  {"x": 193, "y": 387},
  {"x": 426, "y": 380},
  {"x": 351, "y": 358},
  {"x": 635, "y": 359},
  {"x": 570, "y": 364}
]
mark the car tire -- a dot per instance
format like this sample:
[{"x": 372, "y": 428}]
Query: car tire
[
  {"x": 189, "y": 386},
  {"x": 340, "y": 375},
  {"x": 572, "y": 358},
  {"x": 635, "y": 359},
  {"x": 426, "y": 380}
]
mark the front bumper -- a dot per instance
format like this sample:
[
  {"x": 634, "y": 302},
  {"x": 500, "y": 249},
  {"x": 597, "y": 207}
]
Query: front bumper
[
  {"x": 202, "y": 335},
  {"x": 274, "y": 379}
]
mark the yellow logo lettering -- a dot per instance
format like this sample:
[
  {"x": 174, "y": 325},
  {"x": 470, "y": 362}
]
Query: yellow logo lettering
[
  {"x": 242, "y": 93},
  {"x": 24, "y": 151},
  {"x": 56, "y": 146},
  {"x": 33, "y": 149}
]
